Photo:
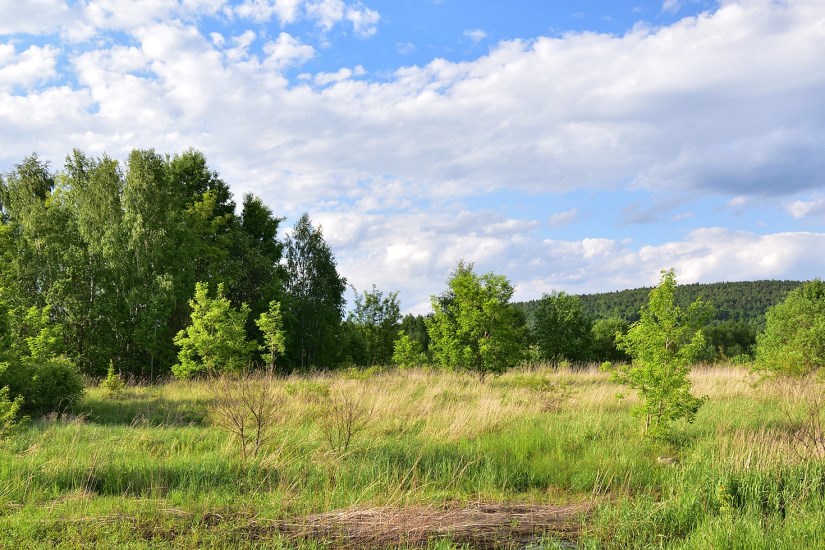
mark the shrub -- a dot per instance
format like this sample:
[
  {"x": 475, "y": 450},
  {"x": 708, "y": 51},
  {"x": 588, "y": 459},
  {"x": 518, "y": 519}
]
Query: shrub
[
  {"x": 47, "y": 385},
  {"x": 215, "y": 340},
  {"x": 793, "y": 343},
  {"x": 113, "y": 384},
  {"x": 248, "y": 408},
  {"x": 344, "y": 417},
  {"x": 408, "y": 352},
  {"x": 9, "y": 410},
  {"x": 56, "y": 384}
]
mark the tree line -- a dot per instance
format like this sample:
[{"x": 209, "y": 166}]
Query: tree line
[
  {"x": 108, "y": 255},
  {"x": 592, "y": 320},
  {"x": 150, "y": 267}
]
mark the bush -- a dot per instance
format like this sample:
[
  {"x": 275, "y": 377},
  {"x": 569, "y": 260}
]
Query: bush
[
  {"x": 248, "y": 408},
  {"x": 9, "y": 410},
  {"x": 56, "y": 384},
  {"x": 47, "y": 385},
  {"x": 793, "y": 343},
  {"x": 408, "y": 352},
  {"x": 113, "y": 384}
]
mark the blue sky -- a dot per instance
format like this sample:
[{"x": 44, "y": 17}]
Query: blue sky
[{"x": 579, "y": 146}]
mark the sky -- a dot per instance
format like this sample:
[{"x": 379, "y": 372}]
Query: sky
[{"x": 579, "y": 145}]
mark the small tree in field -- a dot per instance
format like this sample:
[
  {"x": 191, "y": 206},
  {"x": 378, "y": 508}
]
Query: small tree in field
[
  {"x": 793, "y": 343},
  {"x": 663, "y": 344},
  {"x": 792, "y": 352},
  {"x": 408, "y": 352},
  {"x": 271, "y": 324},
  {"x": 473, "y": 326},
  {"x": 215, "y": 340}
]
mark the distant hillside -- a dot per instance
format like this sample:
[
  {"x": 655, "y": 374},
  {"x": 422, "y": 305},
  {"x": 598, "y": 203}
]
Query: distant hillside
[{"x": 743, "y": 301}]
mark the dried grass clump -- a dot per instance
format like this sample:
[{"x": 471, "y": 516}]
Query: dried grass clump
[{"x": 482, "y": 526}]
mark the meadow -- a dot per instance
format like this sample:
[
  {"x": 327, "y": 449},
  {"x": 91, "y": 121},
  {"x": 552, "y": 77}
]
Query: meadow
[{"x": 156, "y": 467}]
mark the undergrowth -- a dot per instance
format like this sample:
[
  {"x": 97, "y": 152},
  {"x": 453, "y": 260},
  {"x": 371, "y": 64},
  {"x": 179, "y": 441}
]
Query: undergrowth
[{"x": 150, "y": 470}]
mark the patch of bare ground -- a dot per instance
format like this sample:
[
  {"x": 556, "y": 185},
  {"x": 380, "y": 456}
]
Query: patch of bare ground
[{"x": 481, "y": 526}]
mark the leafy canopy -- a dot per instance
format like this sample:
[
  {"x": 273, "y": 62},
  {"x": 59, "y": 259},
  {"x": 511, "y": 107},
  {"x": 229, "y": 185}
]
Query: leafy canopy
[
  {"x": 215, "y": 340},
  {"x": 473, "y": 326},
  {"x": 271, "y": 324},
  {"x": 562, "y": 329},
  {"x": 794, "y": 339},
  {"x": 376, "y": 319},
  {"x": 663, "y": 344}
]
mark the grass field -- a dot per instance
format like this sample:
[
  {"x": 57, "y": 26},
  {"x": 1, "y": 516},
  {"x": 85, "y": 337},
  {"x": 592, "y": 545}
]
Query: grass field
[{"x": 151, "y": 469}]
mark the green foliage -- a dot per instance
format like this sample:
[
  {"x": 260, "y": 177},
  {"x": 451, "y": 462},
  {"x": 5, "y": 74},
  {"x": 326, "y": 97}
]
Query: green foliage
[
  {"x": 271, "y": 323},
  {"x": 561, "y": 329},
  {"x": 313, "y": 298},
  {"x": 407, "y": 352},
  {"x": 744, "y": 302},
  {"x": 113, "y": 385},
  {"x": 376, "y": 320},
  {"x": 473, "y": 326},
  {"x": 604, "y": 333},
  {"x": 9, "y": 413},
  {"x": 729, "y": 340},
  {"x": 663, "y": 344},
  {"x": 215, "y": 340},
  {"x": 794, "y": 339},
  {"x": 39, "y": 379},
  {"x": 56, "y": 385},
  {"x": 115, "y": 250}
]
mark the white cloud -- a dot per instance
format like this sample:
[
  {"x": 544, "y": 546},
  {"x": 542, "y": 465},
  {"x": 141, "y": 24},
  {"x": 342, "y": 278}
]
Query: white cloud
[
  {"x": 728, "y": 102},
  {"x": 567, "y": 217},
  {"x": 804, "y": 209},
  {"x": 32, "y": 66},
  {"x": 287, "y": 11},
  {"x": 671, "y": 6},
  {"x": 326, "y": 13},
  {"x": 287, "y": 51},
  {"x": 364, "y": 20},
  {"x": 322, "y": 79},
  {"x": 738, "y": 201},
  {"x": 32, "y": 16},
  {"x": 475, "y": 35}
]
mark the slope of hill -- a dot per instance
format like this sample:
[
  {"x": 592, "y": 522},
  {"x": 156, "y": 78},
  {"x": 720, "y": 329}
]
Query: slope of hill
[{"x": 740, "y": 301}]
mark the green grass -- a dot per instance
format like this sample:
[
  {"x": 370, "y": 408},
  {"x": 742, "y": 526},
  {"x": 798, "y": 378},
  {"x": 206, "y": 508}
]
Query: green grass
[{"x": 150, "y": 470}]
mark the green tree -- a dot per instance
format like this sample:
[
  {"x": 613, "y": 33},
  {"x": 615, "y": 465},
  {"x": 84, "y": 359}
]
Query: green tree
[
  {"x": 408, "y": 352},
  {"x": 376, "y": 318},
  {"x": 793, "y": 342},
  {"x": 215, "y": 340},
  {"x": 313, "y": 298},
  {"x": 561, "y": 329},
  {"x": 473, "y": 326},
  {"x": 663, "y": 344},
  {"x": 271, "y": 323},
  {"x": 604, "y": 333}
]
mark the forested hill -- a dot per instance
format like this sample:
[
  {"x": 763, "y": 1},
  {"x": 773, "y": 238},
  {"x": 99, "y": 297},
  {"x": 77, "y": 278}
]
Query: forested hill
[{"x": 742, "y": 301}]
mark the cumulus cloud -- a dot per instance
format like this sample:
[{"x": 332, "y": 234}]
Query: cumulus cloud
[
  {"x": 33, "y": 16},
  {"x": 415, "y": 253},
  {"x": 287, "y": 51},
  {"x": 364, "y": 20},
  {"x": 805, "y": 209},
  {"x": 703, "y": 104},
  {"x": 727, "y": 103},
  {"x": 27, "y": 68}
]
